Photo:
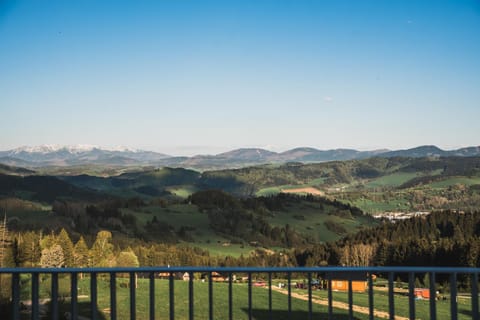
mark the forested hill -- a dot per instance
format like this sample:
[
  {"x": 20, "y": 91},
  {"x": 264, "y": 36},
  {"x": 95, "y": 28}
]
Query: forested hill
[
  {"x": 252, "y": 179},
  {"x": 441, "y": 239}
]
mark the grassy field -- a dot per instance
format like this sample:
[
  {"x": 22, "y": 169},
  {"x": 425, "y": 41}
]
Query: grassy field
[
  {"x": 203, "y": 236},
  {"x": 370, "y": 206},
  {"x": 240, "y": 301},
  {"x": 453, "y": 181},
  {"x": 391, "y": 180},
  {"x": 309, "y": 219},
  {"x": 182, "y": 191}
]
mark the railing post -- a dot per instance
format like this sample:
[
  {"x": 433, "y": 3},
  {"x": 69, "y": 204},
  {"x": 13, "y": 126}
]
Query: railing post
[
  {"x": 113, "y": 296},
  {"x": 391, "y": 297},
  {"x": 74, "y": 295},
  {"x": 172, "y": 296},
  {"x": 210, "y": 297},
  {"x": 230, "y": 297},
  {"x": 330, "y": 298},
  {"x": 453, "y": 296},
  {"x": 190, "y": 296},
  {"x": 433, "y": 307},
  {"x": 15, "y": 296},
  {"x": 152, "y": 295},
  {"x": 54, "y": 296},
  {"x": 133, "y": 303},
  {"x": 289, "y": 280},
  {"x": 474, "y": 293},
  {"x": 93, "y": 295},
  {"x": 350, "y": 297},
  {"x": 270, "y": 315},
  {"x": 371, "y": 312},
  {"x": 310, "y": 307},
  {"x": 249, "y": 296},
  {"x": 411, "y": 295},
  {"x": 35, "y": 315}
]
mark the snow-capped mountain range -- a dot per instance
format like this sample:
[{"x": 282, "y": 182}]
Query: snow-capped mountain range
[{"x": 55, "y": 155}]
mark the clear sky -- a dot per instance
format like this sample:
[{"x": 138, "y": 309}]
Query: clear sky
[{"x": 196, "y": 76}]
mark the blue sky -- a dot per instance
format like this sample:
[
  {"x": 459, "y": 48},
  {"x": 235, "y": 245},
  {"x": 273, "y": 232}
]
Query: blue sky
[{"x": 186, "y": 77}]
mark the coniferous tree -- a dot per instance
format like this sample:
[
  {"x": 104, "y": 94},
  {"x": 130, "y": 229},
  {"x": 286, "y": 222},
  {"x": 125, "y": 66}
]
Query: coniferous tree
[
  {"x": 4, "y": 240},
  {"x": 67, "y": 246},
  {"x": 80, "y": 256}
]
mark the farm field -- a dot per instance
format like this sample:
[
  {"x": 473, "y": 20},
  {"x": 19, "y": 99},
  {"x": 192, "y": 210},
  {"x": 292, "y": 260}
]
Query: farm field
[{"x": 314, "y": 183}]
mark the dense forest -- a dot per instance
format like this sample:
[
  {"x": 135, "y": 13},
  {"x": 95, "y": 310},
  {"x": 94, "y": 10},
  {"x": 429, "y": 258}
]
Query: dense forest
[{"x": 447, "y": 238}]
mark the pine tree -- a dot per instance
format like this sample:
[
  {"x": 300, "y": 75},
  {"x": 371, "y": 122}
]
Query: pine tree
[
  {"x": 4, "y": 240},
  {"x": 29, "y": 250},
  {"x": 67, "y": 246},
  {"x": 80, "y": 256}
]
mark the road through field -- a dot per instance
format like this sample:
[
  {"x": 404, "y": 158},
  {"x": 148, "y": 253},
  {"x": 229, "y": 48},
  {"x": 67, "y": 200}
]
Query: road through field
[{"x": 339, "y": 305}]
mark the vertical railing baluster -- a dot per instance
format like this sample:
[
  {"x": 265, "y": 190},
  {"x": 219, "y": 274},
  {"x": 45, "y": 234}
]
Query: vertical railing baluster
[
  {"x": 113, "y": 296},
  {"x": 35, "y": 296},
  {"x": 330, "y": 298},
  {"x": 474, "y": 293},
  {"x": 190, "y": 296},
  {"x": 391, "y": 297},
  {"x": 433, "y": 306},
  {"x": 54, "y": 296},
  {"x": 74, "y": 295},
  {"x": 171, "y": 296},
  {"x": 151, "y": 292},
  {"x": 133, "y": 302},
  {"x": 249, "y": 296},
  {"x": 289, "y": 280},
  {"x": 310, "y": 307},
  {"x": 411, "y": 295},
  {"x": 270, "y": 312},
  {"x": 93, "y": 295},
  {"x": 210, "y": 297},
  {"x": 230, "y": 297},
  {"x": 15, "y": 296},
  {"x": 371, "y": 312},
  {"x": 350, "y": 297},
  {"x": 453, "y": 296}
]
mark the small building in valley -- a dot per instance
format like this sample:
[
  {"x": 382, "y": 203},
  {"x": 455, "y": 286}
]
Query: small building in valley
[{"x": 340, "y": 281}]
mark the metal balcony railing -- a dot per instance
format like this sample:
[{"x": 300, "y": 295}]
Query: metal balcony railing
[{"x": 341, "y": 291}]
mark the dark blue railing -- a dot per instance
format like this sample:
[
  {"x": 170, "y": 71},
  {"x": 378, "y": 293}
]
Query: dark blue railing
[{"x": 328, "y": 274}]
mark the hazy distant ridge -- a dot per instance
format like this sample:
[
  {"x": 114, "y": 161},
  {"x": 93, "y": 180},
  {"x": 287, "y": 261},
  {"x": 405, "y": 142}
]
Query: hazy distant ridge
[{"x": 92, "y": 155}]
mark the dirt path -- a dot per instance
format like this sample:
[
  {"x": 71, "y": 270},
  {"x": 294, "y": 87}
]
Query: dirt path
[{"x": 339, "y": 305}]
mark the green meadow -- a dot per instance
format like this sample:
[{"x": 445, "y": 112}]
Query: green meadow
[{"x": 220, "y": 307}]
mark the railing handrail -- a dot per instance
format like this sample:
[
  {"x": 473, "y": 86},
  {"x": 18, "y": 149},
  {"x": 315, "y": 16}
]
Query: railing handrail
[{"x": 396, "y": 269}]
